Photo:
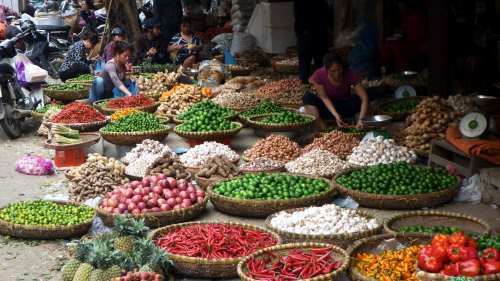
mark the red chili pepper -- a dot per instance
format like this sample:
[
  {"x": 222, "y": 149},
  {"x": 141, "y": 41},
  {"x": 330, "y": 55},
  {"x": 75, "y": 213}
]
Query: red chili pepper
[
  {"x": 78, "y": 112},
  {"x": 129, "y": 102}
]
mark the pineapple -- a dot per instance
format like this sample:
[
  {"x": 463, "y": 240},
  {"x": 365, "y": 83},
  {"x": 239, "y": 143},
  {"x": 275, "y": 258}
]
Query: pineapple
[
  {"x": 126, "y": 230},
  {"x": 158, "y": 261},
  {"x": 69, "y": 269},
  {"x": 104, "y": 258},
  {"x": 112, "y": 272},
  {"x": 84, "y": 272}
]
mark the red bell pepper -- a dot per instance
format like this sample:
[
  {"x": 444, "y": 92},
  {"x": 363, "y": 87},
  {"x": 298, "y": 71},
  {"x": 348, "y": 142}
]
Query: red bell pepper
[
  {"x": 470, "y": 268},
  {"x": 458, "y": 238},
  {"x": 456, "y": 253},
  {"x": 440, "y": 251},
  {"x": 490, "y": 255},
  {"x": 448, "y": 270},
  {"x": 428, "y": 262},
  {"x": 471, "y": 253},
  {"x": 440, "y": 238},
  {"x": 471, "y": 243},
  {"x": 491, "y": 268},
  {"x": 425, "y": 252}
]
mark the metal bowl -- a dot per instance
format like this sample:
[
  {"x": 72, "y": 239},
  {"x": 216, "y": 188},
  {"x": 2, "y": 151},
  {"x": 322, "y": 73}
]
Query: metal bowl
[
  {"x": 376, "y": 120},
  {"x": 405, "y": 75},
  {"x": 190, "y": 72}
]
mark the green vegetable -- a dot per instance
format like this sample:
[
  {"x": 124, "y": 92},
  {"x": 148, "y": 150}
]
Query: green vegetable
[
  {"x": 67, "y": 87},
  {"x": 206, "y": 106},
  {"x": 487, "y": 241},
  {"x": 271, "y": 186},
  {"x": 398, "y": 179},
  {"x": 434, "y": 229},
  {"x": 65, "y": 140},
  {"x": 348, "y": 130},
  {"x": 266, "y": 107},
  {"x": 86, "y": 77},
  {"x": 135, "y": 122},
  {"x": 286, "y": 117},
  {"x": 44, "y": 109},
  {"x": 400, "y": 107},
  {"x": 207, "y": 122},
  {"x": 147, "y": 66},
  {"x": 42, "y": 212},
  {"x": 65, "y": 131}
]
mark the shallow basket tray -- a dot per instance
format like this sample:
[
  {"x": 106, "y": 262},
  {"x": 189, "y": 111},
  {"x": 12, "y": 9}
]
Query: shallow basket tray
[
  {"x": 46, "y": 232},
  {"x": 109, "y": 111},
  {"x": 343, "y": 240},
  {"x": 133, "y": 138},
  {"x": 84, "y": 82},
  {"x": 467, "y": 224},
  {"x": 401, "y": 202},
  {"x": 158, "y": 219},
  {"x": 207, "y": 268},
  {"x": 230, "y": 117},
  {"x": 287, "y": 69},
  {"x": 88, "y": 139},
  {"x": 359, "y": 135},
  {"x": 68, "y": 175},
  {"x": 155, "y": 97},
  {"x": 273, "y": 170},
  {"x": 262, "y": 208},
  {"x": 195, "y": 170},
  {"x": 398, "y": 116},
  {"x": 254, "y": 122},
  {"x": 38, "y": 117},
  {"x": 209, "y": 135},
  {"x": 67, "y": 96},
  {"x": 83, "y": 127},
  {"x": 369, "y": 244},
  {"x": 337, "y": 254}
]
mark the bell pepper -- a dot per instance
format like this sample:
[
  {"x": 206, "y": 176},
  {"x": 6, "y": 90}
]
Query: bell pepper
[
  {"x": 471, "y": 243},
  {"x": 491, "y": 268},
  {"x": 427, "y": 261},
  {"x": 490, "y": 255},
  {"x": 471, "y": 253},
  {"x": 456, "y": 253},
  {"x": 470, "y": 268},
  {"x": 458, "y": 238},
  {"x": 440, "y": 251},
  {"x": 448, "y": 270},
  {"x": 440, "y": 238}
]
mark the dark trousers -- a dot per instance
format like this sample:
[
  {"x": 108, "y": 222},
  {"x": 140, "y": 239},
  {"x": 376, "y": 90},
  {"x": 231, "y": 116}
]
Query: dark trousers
[
  {"x": 309, "y": 47},
  {"x": 74, "y": 72}
]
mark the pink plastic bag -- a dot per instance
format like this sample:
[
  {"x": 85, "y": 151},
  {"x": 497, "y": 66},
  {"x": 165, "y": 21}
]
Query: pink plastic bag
[{"x": 34, "y": 165}]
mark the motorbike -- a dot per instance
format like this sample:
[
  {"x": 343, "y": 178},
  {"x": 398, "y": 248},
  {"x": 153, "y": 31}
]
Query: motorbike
[{"x": 16, "y": 101}]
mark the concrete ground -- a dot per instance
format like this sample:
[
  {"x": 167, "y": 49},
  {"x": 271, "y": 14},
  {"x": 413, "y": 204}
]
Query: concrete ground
[{"x": 38, "y": 260}]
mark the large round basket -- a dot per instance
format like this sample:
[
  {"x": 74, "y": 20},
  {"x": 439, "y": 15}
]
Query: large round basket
[
  {"x": 467, "y": 224},
  {"x": 207, "y": 268},
  {"x": 272, "y": 170},
  {"x": 287, "y": 69},
  {"x": 46, "y": 232},
  {"x": 137, "y": 178},
  {"x": 67, "y": 95},
  {"x": 133, "y": 138},
  {"x": 204, "y": 182},
  {"x": 337, "y": 253},
  {"x": 343, "y": 240},
  {"x": 370, "y": 245},
  {"x": 181, "y": 121},
  {"x": 262, "y": 208},
  {"x": 427, "y": 276},
  {"x": 83, "y": 82},
  {"x": 109, "y": 111},
  {"x": 397, "y": 116},
  {"x": 38, "y": 117},
  {"x": 82, "y": 127},
  {"x": 215, "y": 135},
  {"x": 159, "y": 219},
  {"x": 401, "y": 202},
  {"x": 88, "y": 139},
  {"x": 254, "y": 122},
  {"x": 68, "y": 175}
]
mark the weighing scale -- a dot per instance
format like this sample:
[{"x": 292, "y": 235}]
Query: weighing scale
[
  {"x": 475, "y": 124},
  {"x": 376, "y": 122},
  {"x": 405, "y": 91}
]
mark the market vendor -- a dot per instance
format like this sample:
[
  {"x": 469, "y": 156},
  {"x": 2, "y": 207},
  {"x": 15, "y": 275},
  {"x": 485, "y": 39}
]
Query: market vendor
[
  {"x": 333, "y": 83},
  {"x": 75, "y": 62},
  {"x": 118, "y": 36},
  {"x": 89, "y": 8},
  {"x": 187, "y": 43},
  {"x": 152, "y": 44},
  {"x": 114, "y": 75}
]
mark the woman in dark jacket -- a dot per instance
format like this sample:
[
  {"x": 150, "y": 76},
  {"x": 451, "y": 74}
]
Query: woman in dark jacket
[{"x": 76, "y": 63}]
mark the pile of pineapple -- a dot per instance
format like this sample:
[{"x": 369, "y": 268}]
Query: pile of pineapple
[{"x": 111, "y": 256}]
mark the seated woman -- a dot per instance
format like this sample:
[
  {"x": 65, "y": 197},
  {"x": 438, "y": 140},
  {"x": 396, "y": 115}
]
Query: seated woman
[
  {"x": 113, "y": 74},
  {"x": 75, "y": 62},
  {"x": 187, "y": 44},
  {"x": 333, "y": 83}
]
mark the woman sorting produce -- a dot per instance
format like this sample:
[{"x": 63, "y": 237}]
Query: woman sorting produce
[
  {"x": 333, "y": 84},
  {"x": 113, "y": 75},
  {"x": 75, "y": 62}
]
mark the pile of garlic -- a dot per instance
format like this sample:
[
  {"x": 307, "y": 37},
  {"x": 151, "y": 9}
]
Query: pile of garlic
[
  {"x": 327, "y": 219},
  {"x": 380, "y": 151},
  {"x": 458, "y": 103}
]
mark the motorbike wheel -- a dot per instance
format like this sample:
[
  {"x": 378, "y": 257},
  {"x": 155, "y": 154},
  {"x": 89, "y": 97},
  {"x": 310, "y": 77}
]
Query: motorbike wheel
[
  {"x": 10, "y": 125},
  {"x": 55, "y": 61}
]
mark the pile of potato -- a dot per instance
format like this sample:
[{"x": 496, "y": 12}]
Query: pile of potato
[{"x": 182, "y": 99}]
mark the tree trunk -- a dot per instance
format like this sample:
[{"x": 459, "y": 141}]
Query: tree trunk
[{"x": 122, "y": 13}]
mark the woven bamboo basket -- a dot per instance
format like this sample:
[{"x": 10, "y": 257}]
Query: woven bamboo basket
[
  {"x": 159, "y": 219},
  {"x": 88, "y": 139},
  {"x": 262, "y": 208},
  {"x": 287, "y": 69},
  {"x": 254, "y": 122},
  {"x": 468, "y": 224},
  {"x": 84, "y": 82},
  {"x": 67, "y": 96},
  {"x": 371, "y": 243},
  {"x": 250, "y": 159},
  {"x": 155, "y": 97},
  {"x": 337, "y": 253},
  {"x": 401, "y": 202},
  {"x": 204, "y": 182},
  {"x": 215, "y": 135},
  {"x": 260, "y": 61},
  {"x": 181, "y": 121},
  {"x": 109, "y": 111},
  {"x": 343, "y": 240},
  {"x": 240, "y": 71},
  {"x": 38, "y": 117},
  {"x": 398, "y": 116},
  {"x": 207, "y": 268},
  {"x": 427, "y": 276},
  {"x": 82, "y": 127},
  {"x": 270, "y": 171},
  {"x": 46, "y": 232},
  {"x": 133, "y": 138}
]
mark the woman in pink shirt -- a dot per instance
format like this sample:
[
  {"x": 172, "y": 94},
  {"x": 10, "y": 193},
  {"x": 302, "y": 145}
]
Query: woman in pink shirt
[{"x": 333, "y": 83}]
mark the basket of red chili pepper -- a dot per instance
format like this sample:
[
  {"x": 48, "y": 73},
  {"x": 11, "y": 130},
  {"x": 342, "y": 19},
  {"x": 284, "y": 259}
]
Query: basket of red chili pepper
[
  {"x": 296, "y": 261},
  {"x": 79, "y": 116},
  {"x": 211, "y": 249},
  {"x": 139, "y": 102}
]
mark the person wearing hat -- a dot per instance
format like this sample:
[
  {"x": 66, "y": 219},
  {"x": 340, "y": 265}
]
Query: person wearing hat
[
  {"x": 152, "y": 44},
  {"x": 118, "y": 35}
]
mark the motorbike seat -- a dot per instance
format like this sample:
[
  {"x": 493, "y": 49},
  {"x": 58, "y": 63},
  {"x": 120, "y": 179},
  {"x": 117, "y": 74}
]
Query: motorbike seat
[
  {"x": 64, "y": 28},
  {"x": 7, "y": 68}
]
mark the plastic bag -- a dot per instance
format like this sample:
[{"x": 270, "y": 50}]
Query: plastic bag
[
  {"x": 99, "y": 66},
  {"x": 470, "y": 190},
  {"x": 34, "y": 165},
  {"x": 131, "y": 87},
  {"x": 28, "y": 73},
  {"x": 242, "y": 41}
]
